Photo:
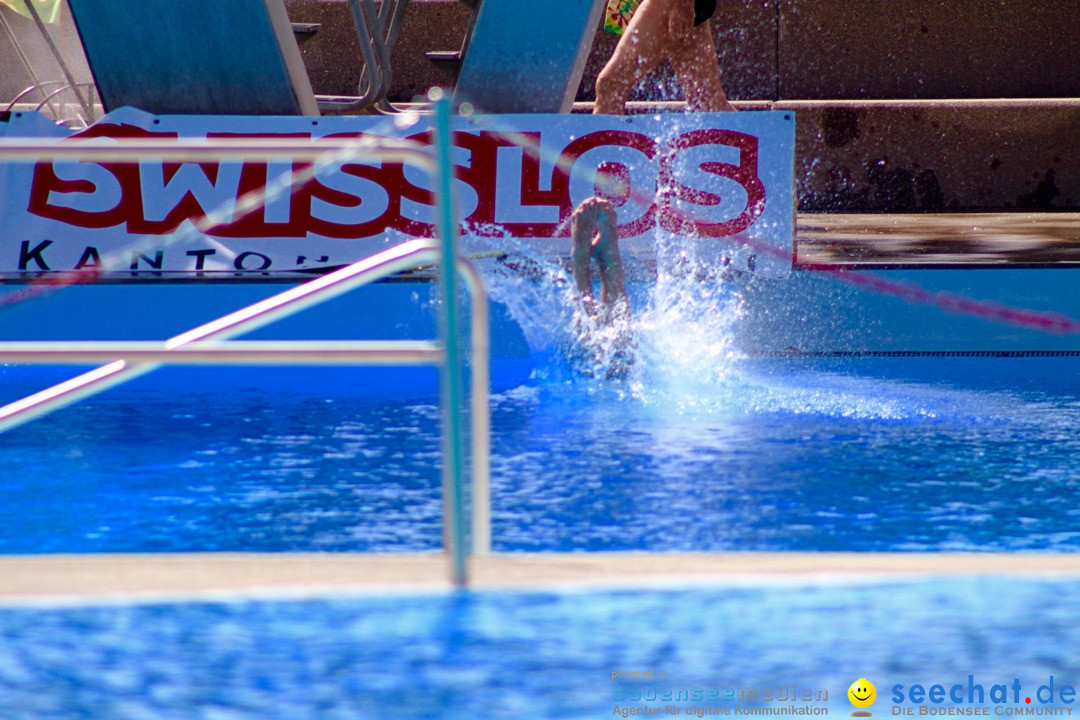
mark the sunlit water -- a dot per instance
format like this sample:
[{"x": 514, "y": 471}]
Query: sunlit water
[
  {"x": 539, "y": 654},
  {"x": 698, "y": 448}
]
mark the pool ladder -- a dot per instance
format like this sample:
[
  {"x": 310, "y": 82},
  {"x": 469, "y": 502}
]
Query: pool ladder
[{"x": 209, "y": 344}]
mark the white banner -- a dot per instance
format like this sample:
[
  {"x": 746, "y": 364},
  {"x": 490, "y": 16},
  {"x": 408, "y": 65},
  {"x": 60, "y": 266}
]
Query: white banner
[{"x": 722, "y": 181}]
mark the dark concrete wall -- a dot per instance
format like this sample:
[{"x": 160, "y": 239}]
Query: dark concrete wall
[
  {"x": 884, "y": 49},
  {"x": 778, "y": 49},
  {"x": 937, "y": 155},
  {"x": 861, "y": 49},
  {"x": 768, "y": 49},
  {"x": 333, "y": 58}
]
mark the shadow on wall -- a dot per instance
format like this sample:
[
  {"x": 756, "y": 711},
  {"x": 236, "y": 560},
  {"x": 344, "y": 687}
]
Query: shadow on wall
[{"x": 912, "y": 157}]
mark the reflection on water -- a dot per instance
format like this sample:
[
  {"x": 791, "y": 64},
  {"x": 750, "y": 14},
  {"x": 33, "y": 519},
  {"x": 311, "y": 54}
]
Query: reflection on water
[
  {"x": 800, "y": 455},
  {"x": 535, "y": 655},
  {"x": 812, "y": 461},
  {"x": 699, "y": 448},
  {"x": 939, "y": 238}
]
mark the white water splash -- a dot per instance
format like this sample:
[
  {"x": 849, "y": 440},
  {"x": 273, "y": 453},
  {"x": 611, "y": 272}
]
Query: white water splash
[
  {"x": 686, "y": 362},
  {"x": 681, "y": 325}
]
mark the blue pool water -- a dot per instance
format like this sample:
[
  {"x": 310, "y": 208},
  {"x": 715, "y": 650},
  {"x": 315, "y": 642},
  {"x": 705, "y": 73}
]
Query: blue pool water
[
  {"x": 700, "y": 447},
  {"x": 917, "y": 454},
  {"x": 538, "y": 654}
]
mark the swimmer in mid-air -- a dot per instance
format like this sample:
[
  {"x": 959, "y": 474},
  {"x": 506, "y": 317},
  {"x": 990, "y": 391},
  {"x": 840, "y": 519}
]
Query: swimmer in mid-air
[{"x": 594, "y": 236}]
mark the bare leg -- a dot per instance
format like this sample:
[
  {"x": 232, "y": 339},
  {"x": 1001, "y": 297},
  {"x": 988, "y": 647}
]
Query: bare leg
[
  {"x": 694, "y": 62},
  {"x": 606, "y": 251},
  {"x": 659, "y": 29},
  {"x": 605, "y": 339},
  {"x": 594, "y": 234},
  {"x": 582, "y": 226},
  {"x": 642, "y": 46}
]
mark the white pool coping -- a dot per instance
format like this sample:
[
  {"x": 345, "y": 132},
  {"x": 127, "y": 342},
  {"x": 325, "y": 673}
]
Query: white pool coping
[{"x": 134, "y": 577}]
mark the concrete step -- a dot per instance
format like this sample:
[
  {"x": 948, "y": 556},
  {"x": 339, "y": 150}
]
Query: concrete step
[
  {"x": 187, "y": 576},
  {"x": 957, "y": 152},
  {"x": 939, "y": 240},
  {"x": 777, "y": 49}
]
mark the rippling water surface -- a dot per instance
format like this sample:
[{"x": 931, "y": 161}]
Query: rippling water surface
[
  {"x": 699, "y": 448},
  {"x": 535, "y": 655}
]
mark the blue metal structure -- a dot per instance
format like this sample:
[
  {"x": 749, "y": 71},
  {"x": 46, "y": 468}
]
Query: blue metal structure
[
  {"x": 195, "y": 56},
  {"x": 525, "y": 57}
]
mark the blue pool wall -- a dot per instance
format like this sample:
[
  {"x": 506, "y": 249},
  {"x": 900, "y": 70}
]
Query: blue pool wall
[
  {"x": 816, "y": 311},
  {"x": 158, "y": 311},
  {"x": 809, "y": 311}
]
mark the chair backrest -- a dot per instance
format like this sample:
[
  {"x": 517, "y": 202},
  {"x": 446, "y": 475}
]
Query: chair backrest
[
  {"x": 204, "y": 57},
  {"x": 528, "y": 56}
]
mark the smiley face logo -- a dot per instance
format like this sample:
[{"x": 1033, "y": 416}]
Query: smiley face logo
[{"x": 862, "y": 693}]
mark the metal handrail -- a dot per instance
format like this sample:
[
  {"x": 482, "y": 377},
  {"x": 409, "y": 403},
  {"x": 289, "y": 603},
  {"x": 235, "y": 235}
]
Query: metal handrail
[
  {"x": 377, "y": 32},
  {"x": 245, "y": 320},
  {"x": 197, "y": 149},
  {"x": 206, "y": 343},
  {"x": 261, "y": 352},
  {"x": 59, "y": 88},
  {"x": 38, "y": 87},
  {"x": 203, "y": 345}
]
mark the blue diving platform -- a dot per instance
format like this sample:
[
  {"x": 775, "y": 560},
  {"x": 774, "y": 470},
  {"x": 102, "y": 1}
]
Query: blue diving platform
[
  {"x": 527, "y": 57},
  {"x": 203, "y": 57}
]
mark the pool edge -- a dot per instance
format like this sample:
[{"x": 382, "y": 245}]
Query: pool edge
[{"x": 134, "y": 577}]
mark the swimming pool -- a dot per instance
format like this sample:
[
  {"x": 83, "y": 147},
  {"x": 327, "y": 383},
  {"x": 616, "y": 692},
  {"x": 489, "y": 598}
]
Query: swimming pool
[
  {"x": 702, "y": 450},
  {"x": 704, "y": 447},
  {"x": 550, "y": 654}
]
